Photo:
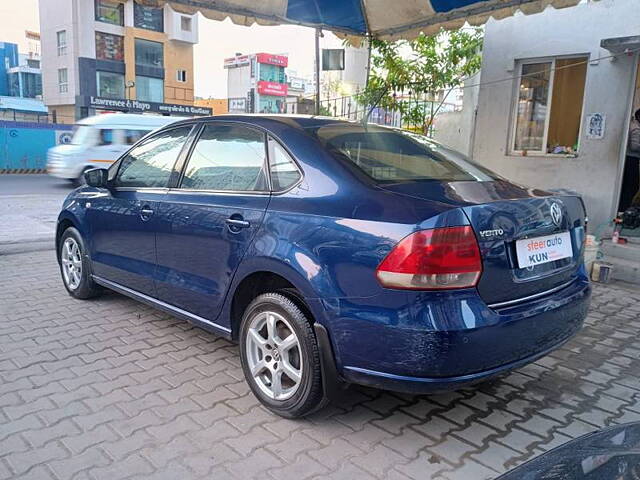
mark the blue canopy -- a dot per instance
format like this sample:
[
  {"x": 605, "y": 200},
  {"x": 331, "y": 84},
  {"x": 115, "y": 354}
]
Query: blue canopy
[{"x": 385, "y": 19}]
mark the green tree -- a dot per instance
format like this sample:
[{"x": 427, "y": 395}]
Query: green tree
[{"x": 408, "y": 76}]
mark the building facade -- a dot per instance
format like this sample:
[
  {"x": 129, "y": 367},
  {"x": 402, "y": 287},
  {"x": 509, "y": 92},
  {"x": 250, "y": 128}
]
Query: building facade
[
  {"x": 20, "y": 74},
  {"x": 556, "y": 97},
  {"x": 116, "y": 55},
  {"x": 257, "y": 83}
]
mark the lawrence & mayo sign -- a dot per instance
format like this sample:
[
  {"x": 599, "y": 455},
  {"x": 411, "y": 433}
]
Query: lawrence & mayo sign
[{"x": 127, "y": 105}]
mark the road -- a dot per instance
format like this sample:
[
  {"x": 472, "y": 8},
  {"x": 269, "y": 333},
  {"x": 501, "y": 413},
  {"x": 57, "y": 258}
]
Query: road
[{"x": 29, "y": 206}]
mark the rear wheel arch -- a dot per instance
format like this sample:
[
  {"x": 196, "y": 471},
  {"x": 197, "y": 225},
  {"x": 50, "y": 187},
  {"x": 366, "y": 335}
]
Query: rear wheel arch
[{"x": 257, "y": 283}]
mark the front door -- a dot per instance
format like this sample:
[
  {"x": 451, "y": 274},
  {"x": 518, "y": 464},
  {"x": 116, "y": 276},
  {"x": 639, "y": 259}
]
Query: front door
[
  {"x": 210, "y": 219},
  {"x": 123, "y": 222}
]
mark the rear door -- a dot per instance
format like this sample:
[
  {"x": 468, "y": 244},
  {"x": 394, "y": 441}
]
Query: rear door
[
  {"x": 123, "y": 221},
  {"x": 211, "y": 217}
]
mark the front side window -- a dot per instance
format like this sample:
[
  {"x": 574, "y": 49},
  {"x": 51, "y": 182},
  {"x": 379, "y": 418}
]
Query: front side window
[
  {"x": 227, "y": 158},
  {"x": 110, "y": 11},
  {"x": 109, "y": 47},
  {"x": 63, "y": 80},
  {"x": 284, "y": 172},
  {"x": 548, "y": 108},
  {"x": 110, "y": 85},
  {"x": 149, "y": 89},
  {"x": 391, "y": 156},
  {"x": 151, "y": 164},
  {"x": 105, "y": 136},
  {"x": 148, "y": 53},
  {"x": 61, "y": 38}
]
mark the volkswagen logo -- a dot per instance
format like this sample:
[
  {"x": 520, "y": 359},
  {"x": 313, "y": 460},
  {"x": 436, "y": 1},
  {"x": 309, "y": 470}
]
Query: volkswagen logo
[{"x": 556, "y": 213}]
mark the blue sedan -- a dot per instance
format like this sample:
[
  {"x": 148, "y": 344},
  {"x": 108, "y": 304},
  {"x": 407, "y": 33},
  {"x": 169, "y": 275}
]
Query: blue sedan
[{"x": 333, "y": 252}]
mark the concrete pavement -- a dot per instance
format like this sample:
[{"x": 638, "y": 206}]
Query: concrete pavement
[{"x": 29, "y": 207}]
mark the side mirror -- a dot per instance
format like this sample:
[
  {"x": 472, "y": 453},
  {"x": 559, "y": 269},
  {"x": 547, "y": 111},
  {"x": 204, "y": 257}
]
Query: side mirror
[{"x": 97, "y": 177}]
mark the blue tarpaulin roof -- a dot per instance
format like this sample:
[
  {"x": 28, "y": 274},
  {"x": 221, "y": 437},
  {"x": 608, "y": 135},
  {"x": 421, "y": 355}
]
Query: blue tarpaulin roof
[{"x": 385, "y": 19}]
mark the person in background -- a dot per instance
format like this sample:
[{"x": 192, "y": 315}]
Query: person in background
[{"x": 634, "y": 147}]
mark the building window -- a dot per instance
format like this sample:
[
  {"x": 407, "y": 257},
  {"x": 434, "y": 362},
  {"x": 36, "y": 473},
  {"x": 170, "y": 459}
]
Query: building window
[
  {"x": 109, "y": 47},
  {"x": 181, "y": 76},
  {"x": 148, "y": 53},
  {"x": 63, "y": 81},
  {"x": 61, "y": 37},
  {"x": 149, "y": 89},
  {"x": 110, "y": 11},
  {"x": 548, "y": 109},
  {"x": 185, "y": 23},
  {"x": 149, "y": 18},
  {"x": 110, "y": 85}
]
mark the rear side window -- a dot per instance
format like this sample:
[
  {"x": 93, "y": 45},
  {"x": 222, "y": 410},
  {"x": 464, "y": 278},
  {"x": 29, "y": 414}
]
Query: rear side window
[
  {"x": 284, "y": 172},
  {"x": 227, "y": 158},
  {"x": 391, "y": 156},
  {"x": 151, "y": 164}
]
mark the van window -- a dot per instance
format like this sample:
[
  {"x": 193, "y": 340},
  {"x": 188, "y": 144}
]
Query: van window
[
  {"x": 83, "y": 135},
  {"x": 105, "y": 137},
  {"x": 132, "y": 136}
]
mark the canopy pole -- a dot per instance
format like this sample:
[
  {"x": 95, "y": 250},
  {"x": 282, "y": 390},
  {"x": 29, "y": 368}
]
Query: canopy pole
[
  {"x": 366, "y": 83},
  {"x": 317, "y": 72}
]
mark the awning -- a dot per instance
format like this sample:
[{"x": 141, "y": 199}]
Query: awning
[{"x": 384, "y": 19}]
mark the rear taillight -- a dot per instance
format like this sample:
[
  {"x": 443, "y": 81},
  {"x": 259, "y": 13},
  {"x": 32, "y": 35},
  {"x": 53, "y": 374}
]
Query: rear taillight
[{"x": 440, "y": 258}]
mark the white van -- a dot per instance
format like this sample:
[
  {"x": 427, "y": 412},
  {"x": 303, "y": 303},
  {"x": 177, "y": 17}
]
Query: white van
[{"x": 98, "y": 141}]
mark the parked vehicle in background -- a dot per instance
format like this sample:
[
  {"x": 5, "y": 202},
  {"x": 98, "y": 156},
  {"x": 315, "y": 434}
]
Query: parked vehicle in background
[
  {"x": 332, "y": 251},
  {"x": 98, "y": 141},
  {"x": 609, "y": 454}
]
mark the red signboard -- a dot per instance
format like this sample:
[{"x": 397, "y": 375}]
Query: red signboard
[
  {"x": 272, "y": 88},
  {"x": 278, "y": 60}
]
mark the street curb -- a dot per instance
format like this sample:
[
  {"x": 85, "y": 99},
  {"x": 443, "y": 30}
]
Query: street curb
[{"x": 9, "y": 171}]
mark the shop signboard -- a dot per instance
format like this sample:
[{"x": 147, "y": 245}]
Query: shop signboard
[
  {"x": 235, "y": 62},
  {"x": 277, "y": 60},
  {"x": 238, "y": 105},
  {"x": 139, "y": 106},
  {"x": 272, "y": 88}
]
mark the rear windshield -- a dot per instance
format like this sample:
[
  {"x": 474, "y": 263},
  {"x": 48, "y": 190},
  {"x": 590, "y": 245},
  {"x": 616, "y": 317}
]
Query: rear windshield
[{"x": 391, "y": 155}]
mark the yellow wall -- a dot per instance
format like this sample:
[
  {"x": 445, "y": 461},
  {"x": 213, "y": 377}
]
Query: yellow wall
[
  {"x": 177, "y": 56},
  {"x": 218, "y": 105}
]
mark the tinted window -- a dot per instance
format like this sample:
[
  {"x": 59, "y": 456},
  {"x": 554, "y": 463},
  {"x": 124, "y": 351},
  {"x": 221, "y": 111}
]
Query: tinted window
[
  {"x": 389, "y": 155},
  {"x": 106, "y": 136},
  {"x": 227, "y": 158},
  {"x": 150, "y": 164},
  {"x": 284, "y": 172},
  {"x": 148, "y": 53}
]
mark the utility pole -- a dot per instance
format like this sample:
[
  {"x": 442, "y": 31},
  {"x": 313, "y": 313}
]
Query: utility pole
[{"x": 317, "y": 72}]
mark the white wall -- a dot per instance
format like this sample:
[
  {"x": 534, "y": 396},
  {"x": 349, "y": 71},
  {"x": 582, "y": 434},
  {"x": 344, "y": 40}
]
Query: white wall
[
  {"x": 455, "y": 129},
  {"x": 577, "y": 30},
  {"x": 56, "y": 15}
]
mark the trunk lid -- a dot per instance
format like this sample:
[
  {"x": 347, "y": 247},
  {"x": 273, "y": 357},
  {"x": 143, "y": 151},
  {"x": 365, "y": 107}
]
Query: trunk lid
[{"x": 502, "y": 214}]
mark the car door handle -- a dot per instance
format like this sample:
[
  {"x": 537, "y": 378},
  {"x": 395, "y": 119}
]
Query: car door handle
[
  {"x": 146, "y": 212},
  {"x": 237, "y": 223}
]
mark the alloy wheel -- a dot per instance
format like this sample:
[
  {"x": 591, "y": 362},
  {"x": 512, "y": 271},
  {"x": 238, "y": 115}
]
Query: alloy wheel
[
  {"x": 273, "y": 355},
  {"x": 71, "y": 258}
]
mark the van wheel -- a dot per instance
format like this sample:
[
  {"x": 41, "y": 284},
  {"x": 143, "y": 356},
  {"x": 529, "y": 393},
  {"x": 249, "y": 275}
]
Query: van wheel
[
  {"x": 75, "y": 266},
  {"x": 280, "y": 356}
]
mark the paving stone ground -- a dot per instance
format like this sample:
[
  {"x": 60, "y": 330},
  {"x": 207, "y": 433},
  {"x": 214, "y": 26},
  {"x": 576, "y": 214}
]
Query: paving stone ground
[{"x": 112, "y": 389}]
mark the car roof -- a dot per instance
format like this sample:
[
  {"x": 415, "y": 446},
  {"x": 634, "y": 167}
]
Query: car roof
[{"x": 296, "y": 121}]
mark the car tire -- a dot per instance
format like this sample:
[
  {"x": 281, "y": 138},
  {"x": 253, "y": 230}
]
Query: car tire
[
  {"x": 277, "y": 342},
  {"x": 75, "y": 266}
]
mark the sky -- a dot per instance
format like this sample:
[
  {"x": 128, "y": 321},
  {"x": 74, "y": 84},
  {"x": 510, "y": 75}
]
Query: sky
[{"x": 218, "y": 40}]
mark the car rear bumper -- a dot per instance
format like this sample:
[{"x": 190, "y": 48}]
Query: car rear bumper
[{"x": 445, "y": 341}]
